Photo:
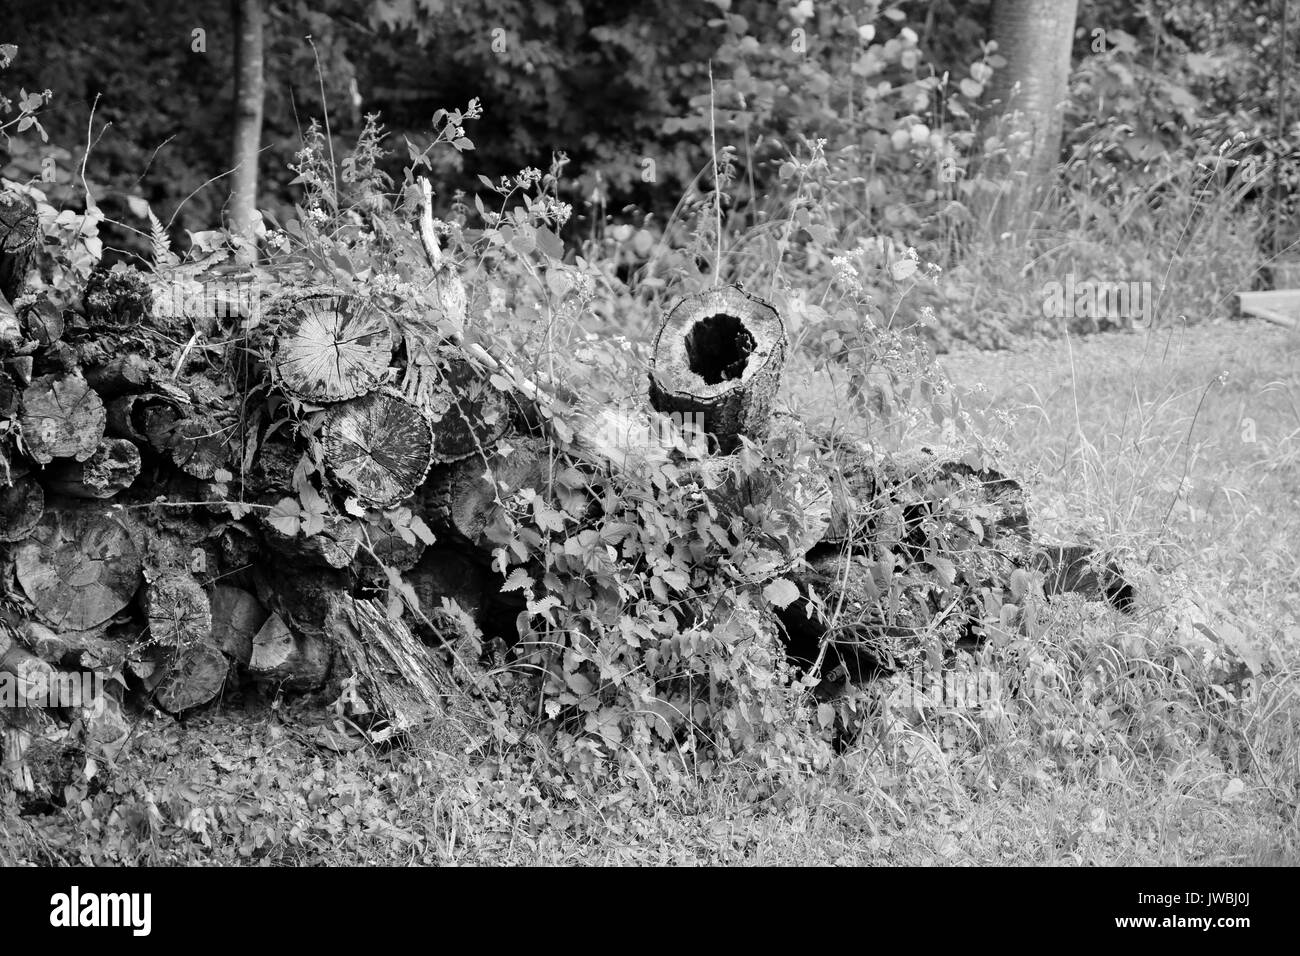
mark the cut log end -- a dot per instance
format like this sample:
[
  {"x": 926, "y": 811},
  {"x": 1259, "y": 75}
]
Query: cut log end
[
  {"x": 62, "y": 417},
  {"x": 331, "y": 346},
  {"x": 79, "y": 567},
  {"x": 379, "y": 446}
]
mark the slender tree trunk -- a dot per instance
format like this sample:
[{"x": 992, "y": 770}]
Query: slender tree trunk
[
  {"x": 1028, "y": 93},
  {"x": 250, "y": 91}
]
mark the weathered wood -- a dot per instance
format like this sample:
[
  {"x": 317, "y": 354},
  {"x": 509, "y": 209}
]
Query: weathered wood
[
  {"x": 62, "y": 417},
  {"x": 42, "y": 321},
  {"x": 90, "y": 649},
  {"x": 288, "y": 660},
  {"x": 118, "y": 298},
  {"x": 120, "y": 376},
  {"x": 718, "y": 358},
  {"x": 379, "y": 446},
  {"x": 190, "y": 676},
  {"x": 176, "y": 609},
  {"x": 237, "y": 616},
  {"x": 396, "y": 675},
  {"x": 335, "y": 546},
  {"x": 146, "y": 419},
  {"x": 462, "y": 499},
  {"x": 330, "y": 346},
  {"x": 28, "y": 677},
  {"x": 21, "y": 506},
  {"x": 467, "y": 413},
  {"x": 110, "y": 470},
  {"x": 79, "y": 567},
  {"x": 20, "y": 235}
]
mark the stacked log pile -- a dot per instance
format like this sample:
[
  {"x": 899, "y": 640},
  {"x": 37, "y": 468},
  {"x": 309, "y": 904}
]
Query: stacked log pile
[{"x": 157, "y": 520}]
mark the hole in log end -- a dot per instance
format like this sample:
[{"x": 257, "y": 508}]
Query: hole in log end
[{"x": 718, "y": 347}]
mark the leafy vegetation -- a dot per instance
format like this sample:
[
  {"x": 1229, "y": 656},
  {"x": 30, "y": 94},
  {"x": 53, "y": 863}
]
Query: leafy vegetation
[{"x": 645, "y": 713}]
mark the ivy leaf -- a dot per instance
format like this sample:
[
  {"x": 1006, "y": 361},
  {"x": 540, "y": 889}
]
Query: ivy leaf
[{"x": 781, "y": 593}]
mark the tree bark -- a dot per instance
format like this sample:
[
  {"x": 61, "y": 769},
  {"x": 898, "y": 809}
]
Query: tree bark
[
  {"x": 250, "y": 94},
  {"x": 20, "y": 233},
  {"x": 397, "y": 676},
  {"x": 1028, "y": 93},
  {"x": 463, "y": 498},
  {"x": 120, "y": 376}
]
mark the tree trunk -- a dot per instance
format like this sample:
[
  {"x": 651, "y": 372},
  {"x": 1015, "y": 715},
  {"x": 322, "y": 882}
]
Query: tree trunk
[
  {"x": 111, "y": 469},
  {"x": 79, "y": 567},
  {"x": 717, "y": 362},
  {"x": 330, "y": 346},
  {"x": 379, "y": 446},
  {"x": 250, "y": 93},
  {"x": 1027, "y": 94}
]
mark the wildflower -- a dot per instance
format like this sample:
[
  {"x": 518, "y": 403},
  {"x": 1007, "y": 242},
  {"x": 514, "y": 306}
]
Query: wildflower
[
  {"x": 528, "y": 177},
  {"x": 866, "y": 32},
  {"x": 802, "y": 11},
  {"x": 497, "y": 299},
  {"x": 845, "y": 272},
  {"x": 908, "y": 35}
]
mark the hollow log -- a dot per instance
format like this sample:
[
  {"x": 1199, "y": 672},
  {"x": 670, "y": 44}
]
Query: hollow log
[
  {"x": 111, "y": 469},
  {"x": 147, "y": 419},
  {"x": 330, "y": 346},
  {"x": 397, "y": 676},
  {"x": 237, "y": 616},
  {"x": 62, "y": 417},
  {"x": 288, "y": 660},
  {"x": 190, "y": 676},
  {"x": 20, "y": 235},
  {"x": 21, "y": 506},
  {"x": 467, "y": 413},
  {"x": 79, "y": 567},
  {"x": 1080, "y": 569},
  {"x": 120, "y": 376},
  {"x": 718, "y": 361},
  {"x": 461, "y": 499},
  {"x": 379, "y": 446}
]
